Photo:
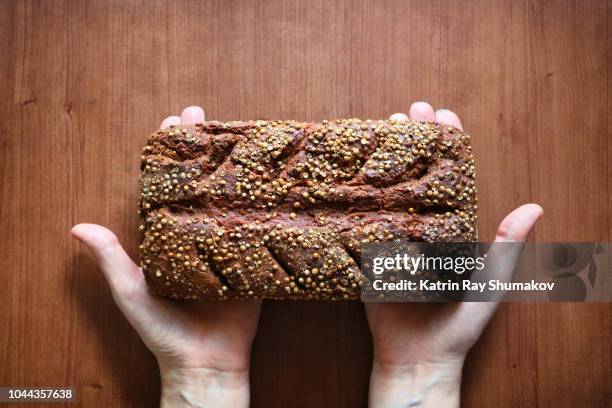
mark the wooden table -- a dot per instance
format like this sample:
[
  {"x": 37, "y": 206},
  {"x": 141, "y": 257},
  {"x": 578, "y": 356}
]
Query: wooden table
[{"x": 84, "y": 83}]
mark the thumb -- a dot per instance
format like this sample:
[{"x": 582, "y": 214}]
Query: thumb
[
  {"x": 502, "y": 258},
  {"x": 511, "y": 234},
  {"x": 518, "y": 224},
  {"x": 121, "y": 272}
]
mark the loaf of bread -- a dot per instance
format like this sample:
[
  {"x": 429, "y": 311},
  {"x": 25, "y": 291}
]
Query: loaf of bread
[{"x": 279, "y": 209}]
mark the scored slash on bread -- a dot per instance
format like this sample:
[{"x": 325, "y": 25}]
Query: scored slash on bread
[{"x": 279, "y": 209}]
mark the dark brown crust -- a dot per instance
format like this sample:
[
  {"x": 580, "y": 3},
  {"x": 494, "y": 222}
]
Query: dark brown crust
[{"x": 279, "y": 209}]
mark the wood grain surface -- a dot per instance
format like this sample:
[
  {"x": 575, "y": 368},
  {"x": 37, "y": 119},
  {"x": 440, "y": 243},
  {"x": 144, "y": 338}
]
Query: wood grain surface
[{"x": 85, "y": 82}]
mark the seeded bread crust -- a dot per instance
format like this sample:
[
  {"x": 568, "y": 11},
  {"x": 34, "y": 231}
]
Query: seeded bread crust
[{"x": 279, "y": 209}]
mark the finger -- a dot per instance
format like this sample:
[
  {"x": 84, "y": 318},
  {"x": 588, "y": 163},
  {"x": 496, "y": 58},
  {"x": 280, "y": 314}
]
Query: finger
[
  {"x": 120, "y": 271},
  {"x": 512, "y": 232},
  {"x": 422, "y": 111},
  {"x": 518, "y": 224},
  {"x": 191, "y": 115},
  {"x": 448, "y": 118},
  {"x": 399, "y": 117},
  {"x": 170, "y": 121},
  {"x": 504, "y": 253}
]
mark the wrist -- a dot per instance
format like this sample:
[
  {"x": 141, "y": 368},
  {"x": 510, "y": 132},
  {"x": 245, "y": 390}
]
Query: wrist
[
  {"x": 416, "y": 384},
  {"x": 203, "y": 386}
]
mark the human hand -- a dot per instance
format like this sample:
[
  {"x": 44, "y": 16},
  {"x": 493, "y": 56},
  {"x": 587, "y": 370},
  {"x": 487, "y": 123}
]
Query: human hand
[
  {"x": 202, "y": 348},
  {"x": 419, "y": 349}
]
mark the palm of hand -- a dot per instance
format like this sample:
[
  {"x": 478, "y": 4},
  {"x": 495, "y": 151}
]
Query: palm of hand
[
  {"x": 417, "y": 333},
  {"x": 180, "y": 334},
  {"x": 408, "y": 334},
  {"x": 196, "y": 334}
]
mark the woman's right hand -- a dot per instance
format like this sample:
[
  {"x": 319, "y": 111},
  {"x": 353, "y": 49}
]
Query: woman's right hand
[{"x": 419, "y": 349}]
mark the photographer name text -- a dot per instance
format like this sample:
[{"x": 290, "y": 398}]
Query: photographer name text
[{"x": 463, "y": 285}]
